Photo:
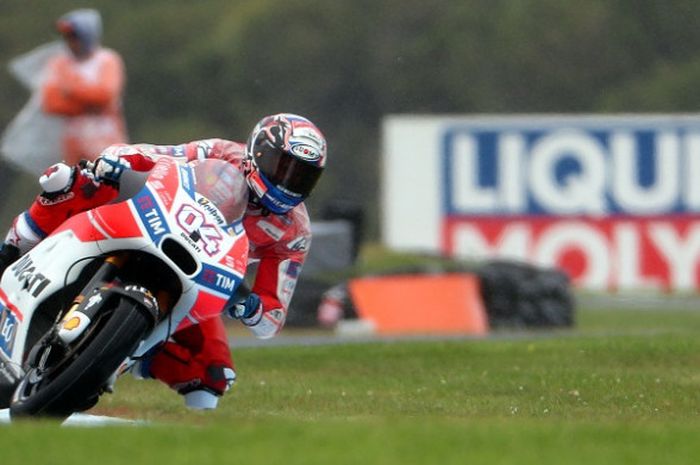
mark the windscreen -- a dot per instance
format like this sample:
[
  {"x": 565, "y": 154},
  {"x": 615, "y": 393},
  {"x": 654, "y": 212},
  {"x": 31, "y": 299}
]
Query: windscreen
[{"x": 223, "y": 185}]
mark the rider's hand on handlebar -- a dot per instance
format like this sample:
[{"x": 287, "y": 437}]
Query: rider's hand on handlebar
[
  {"x": 249, "y": 310},
  {"x": 109, "y": 168}
]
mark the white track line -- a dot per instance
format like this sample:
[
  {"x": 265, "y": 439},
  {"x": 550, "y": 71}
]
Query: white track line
[{"x": 81, "y": 419}]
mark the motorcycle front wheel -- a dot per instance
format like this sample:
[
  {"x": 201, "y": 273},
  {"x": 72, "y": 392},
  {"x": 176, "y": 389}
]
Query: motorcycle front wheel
[{"x": 62, "y": 380}]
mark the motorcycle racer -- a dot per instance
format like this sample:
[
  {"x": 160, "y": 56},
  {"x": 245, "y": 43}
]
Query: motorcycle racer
[{"x": 282, "y": 160}]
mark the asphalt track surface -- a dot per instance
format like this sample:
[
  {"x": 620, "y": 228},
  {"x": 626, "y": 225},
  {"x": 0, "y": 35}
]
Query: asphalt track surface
[{"x": 320, "y": 340}]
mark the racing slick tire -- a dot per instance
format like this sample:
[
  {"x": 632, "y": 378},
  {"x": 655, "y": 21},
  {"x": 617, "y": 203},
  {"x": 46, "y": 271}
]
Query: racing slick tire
[{"x": 72, "y": 378}]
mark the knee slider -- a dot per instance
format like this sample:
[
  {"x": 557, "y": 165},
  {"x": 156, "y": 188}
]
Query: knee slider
[
  {"x": 219, "y": 378},
  {"x": 201, "y": 400}
]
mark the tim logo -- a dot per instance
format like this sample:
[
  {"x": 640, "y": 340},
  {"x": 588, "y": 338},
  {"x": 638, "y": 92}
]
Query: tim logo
[{"x": 222, "y": 281}]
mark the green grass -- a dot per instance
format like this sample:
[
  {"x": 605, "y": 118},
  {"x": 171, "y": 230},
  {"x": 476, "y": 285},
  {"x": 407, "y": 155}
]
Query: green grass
[{"x": 624, "y": 387}]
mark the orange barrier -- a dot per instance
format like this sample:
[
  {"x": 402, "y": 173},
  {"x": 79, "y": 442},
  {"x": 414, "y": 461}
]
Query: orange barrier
[{"x": 448, "y": 303}]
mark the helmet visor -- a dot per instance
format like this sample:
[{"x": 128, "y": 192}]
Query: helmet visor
[{"x": 293, "y": 176}]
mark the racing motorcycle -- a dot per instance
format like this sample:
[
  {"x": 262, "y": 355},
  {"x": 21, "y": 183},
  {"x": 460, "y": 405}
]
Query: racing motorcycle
[{"x": 111, "y": 284}]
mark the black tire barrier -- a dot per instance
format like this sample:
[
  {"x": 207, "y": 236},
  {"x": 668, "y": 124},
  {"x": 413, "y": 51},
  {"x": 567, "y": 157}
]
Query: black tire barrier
[
  {"x": 515, "y": 295},
  {"x": 521, "y": 295}
]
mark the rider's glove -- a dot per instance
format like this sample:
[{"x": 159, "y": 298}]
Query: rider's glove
[
  {"x": 110, "y": 168},
  {"x": 248, "y": 310}
]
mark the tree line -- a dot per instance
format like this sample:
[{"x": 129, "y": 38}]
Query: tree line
[{"x": 211, "y": 68}]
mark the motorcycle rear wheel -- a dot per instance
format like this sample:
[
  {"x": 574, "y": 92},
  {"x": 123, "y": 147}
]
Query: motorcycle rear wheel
[{"x": 71, "y": 379}]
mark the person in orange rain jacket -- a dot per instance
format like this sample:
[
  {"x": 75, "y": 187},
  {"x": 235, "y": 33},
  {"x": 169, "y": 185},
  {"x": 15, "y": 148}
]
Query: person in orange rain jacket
[{"x": 85, "y": 86}]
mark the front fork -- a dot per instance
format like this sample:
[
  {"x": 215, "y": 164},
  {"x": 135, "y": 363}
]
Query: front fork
[
  {"x": 75, "y": 321},
  {"x": 82, "y": 312}
]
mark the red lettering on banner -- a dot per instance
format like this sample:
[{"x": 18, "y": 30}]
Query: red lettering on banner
[{"x": 598, "y": 253}]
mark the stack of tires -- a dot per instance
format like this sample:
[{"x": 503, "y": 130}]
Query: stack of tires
[{"x": 522, "y": 295}]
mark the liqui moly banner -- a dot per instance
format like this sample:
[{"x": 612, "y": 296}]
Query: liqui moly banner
[{"x": 614, "y": 201}]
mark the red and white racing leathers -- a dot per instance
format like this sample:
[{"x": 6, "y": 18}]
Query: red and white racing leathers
[{"x": 198, "y": 357}]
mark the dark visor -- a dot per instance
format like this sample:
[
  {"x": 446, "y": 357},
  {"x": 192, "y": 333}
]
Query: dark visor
[{"x": 286, "y": 171}]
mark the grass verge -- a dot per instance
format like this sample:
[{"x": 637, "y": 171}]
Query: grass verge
[{"x": 622, "y": 388}]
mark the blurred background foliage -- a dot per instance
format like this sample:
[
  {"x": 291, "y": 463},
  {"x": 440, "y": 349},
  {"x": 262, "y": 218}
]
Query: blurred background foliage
[{"x": 212, "y": 68}]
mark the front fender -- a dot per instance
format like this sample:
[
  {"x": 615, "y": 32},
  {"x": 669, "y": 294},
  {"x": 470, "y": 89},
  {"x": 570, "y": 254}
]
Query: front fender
[{"x": 78, "y": 318}]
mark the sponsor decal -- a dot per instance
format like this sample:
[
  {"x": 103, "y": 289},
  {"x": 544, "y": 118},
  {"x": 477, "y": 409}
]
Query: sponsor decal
[
  {"x": 305, "y": 152},
  {"x": 186, "y": 179},
  {"x": 203, "y": 149},
  {"x": 614, "y": 203},
  {"x": 165, "y": 196},
  {"x": 211, "y": 209},
  {"x": 25, "y": 270},
  {"x": 8, "y": 330},
  {"x": 293, "y": 269},
  {"x": 71, "y": 323},
  {"x": 194, "y": 223},
  {"x": 299, "y": 244},
  {"x": 218, "y": 279},
  {"x": 571, "y": 172},
  {"x": 191, "y": 241},
  {"x": 287, "y": 280},
  {"x": 53, "y": 200},
  {"x": 235, "y": 229},
  {"x": 160, "y": 171},
  {"x": 276, "y": 315},
  {"x": 275, "y": 201},
  {"x": 178, "y": 151},
  {"x": 225, "y": 282},
  {"x": 151, "y": 216},
  {"x": 208, "y": 276},
  {"x": 270, "y": 229},
  {"x": 163, "y": 179},
  {"x": 148, "y": 299},
  {"x": 94, "y": 299}
]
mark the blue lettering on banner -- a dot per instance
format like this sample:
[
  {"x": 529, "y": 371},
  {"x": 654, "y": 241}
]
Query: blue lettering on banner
[
  {"x": 151, "y": 215},
  {"x": 584, "y": 167},
  {"x": 8, "y": 330},
  {"x": 217, "y": 279}
]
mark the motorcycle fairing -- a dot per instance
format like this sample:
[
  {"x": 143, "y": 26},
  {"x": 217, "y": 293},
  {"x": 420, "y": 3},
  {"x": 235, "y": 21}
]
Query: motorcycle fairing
[{"x": 141, "y": 222}]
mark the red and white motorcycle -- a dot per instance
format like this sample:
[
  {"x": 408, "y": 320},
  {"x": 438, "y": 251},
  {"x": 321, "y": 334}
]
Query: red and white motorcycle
[{"x": 113, "y": 282}]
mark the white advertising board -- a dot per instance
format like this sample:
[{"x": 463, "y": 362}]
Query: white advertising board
[{"x": 612, "y": 200}]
